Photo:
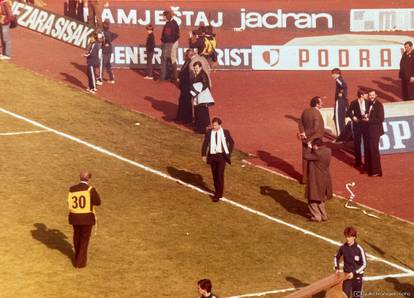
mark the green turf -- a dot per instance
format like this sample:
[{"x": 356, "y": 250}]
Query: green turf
[{"x": 156, "y": 238}]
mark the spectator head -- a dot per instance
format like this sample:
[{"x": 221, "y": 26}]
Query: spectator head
[
  {"x": 168, "y": 14},
  {"x": 197, "y": 67},
  {"x": 335, "y": 73},
  {"x": 150, "y": 28},
  {"x": 204, "y": 287},
  {"x": 99, "y": 37},
  {"x": 350, "y": 234},
  {"x": 362, "y": 93},
  {"x": 85, "y": 176},
  {"x": 209, "y": 31},
  {"x": 408, "y": 46},
  {"x": 189, "y": 53},
  {"x": 202, "y": 30},
  {"x": 372, "y": 95},
  {"x": 106, "y": 25},
  {"x": 316, "y": 102}
]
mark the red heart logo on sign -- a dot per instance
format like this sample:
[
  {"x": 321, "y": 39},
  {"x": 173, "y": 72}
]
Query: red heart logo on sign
[{"x": 271, "y": 57}]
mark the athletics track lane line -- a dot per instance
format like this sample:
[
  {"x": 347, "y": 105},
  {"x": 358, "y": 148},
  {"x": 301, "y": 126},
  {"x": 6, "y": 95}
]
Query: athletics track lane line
[{"x": 159, "y": 173}]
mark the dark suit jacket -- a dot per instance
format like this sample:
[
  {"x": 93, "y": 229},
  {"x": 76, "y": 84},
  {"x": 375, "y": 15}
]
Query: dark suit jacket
[
  {"x": 355, "y": 111},
  {"x": 319, "y": 186},
  {"x": 205, "y": 149},
  {"x": 376, "y": 118},
  {"x": 311, "y": 123},
  {"x": 406, "y": 66}
]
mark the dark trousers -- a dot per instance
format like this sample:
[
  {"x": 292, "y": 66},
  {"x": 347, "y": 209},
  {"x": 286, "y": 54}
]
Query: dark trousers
[
  {"x": 218, "y": 164},
  {"x": 81, "y": 235},
  {"x": 150, "y": 67},
  {"x": 372, "y": 155},
  {"x": 91, "y": 77},
  {"x": 165, "y": 60},
  {"x": 305, "y": 163},
  {"x": 360, "y": 137},
  {"x": 353, "y": 287},
  {"x": 407, "y": 89},
  {"x": 106, "y": 64},
  {"x": 202, "y": 117}
]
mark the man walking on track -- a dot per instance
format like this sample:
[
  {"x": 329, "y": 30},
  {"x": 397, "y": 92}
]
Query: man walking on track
[
  {"x": 311, "y": 127},
  {"x": 216, "y": 151},
  {"x": 82, "y": 199}
]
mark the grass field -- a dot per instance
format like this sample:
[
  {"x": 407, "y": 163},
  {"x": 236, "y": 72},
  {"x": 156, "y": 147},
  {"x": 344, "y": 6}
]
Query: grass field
[{"x": 157, "y": 237}]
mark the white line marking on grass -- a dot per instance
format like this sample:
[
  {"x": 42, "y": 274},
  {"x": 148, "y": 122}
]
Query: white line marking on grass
[
  {"x": 159, "y": 173},
  {"x": 22, "y": 132},
  {"x": 382, "y": 277},
  {"x": 265, "y": 293}
]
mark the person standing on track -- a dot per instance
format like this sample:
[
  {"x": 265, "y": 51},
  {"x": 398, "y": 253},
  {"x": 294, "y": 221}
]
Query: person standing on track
[
  {"x": 150, "y": 48},
  {"x": 169, "y": 46},
  {"x": 374, "y": 118},
  {"x": 341, "y": 101},
  {"x": 355, "y": 262},
  {"x": 216, "y": 151},
  {"x": 406, "y": 73},
  {"x": 311, "y": 126},
  {"x": 6, "y": 17},
  {"x": 319, "y": 186},
  {"x": 93, "y": 60},
  {"x": 81, "y": 201},
  {"x": 358, "y": 109},
  {"x": 107, "y": 49}
]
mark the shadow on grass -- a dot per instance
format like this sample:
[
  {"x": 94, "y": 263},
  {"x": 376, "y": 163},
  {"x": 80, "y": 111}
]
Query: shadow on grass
[
  {"x": 278, "y": 163},
  {"x": 376, "y": 248},
  {"x": 72, "y": 80},
  {"x": 402, "y": 288},
  {"x": 188, "y": 177},
  {"x": 168, "y": 108},
  {"x": 288, "y": 202},
  {"x": 52, "y": 238}
]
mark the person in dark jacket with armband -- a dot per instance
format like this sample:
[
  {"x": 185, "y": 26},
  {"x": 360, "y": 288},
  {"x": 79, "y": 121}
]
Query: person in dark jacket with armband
[
  {"x": 355, "y": 262},
  {"x": 93, "y": 60},
  {"x": 107, "y": 49},
  {"x": 216, "y": 151},
  {"x": 169, "y": 45},
  {"x": 82, "y": 200}
]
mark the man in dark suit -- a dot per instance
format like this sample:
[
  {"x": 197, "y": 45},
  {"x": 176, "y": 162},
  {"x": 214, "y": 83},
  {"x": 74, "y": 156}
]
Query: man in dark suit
[
  {"x": 406, "y": 73},
  {"x": 216, "y": 151},
  {"x": 81, "y": 201},
  {"x": 319, "y": 186},
  {"x": 375, "y": 118},
  {"x": 358, "y": 109},
  {"x": 311, "y": 127}
]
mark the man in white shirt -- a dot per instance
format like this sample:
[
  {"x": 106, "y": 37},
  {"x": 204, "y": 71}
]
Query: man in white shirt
[{"x": 216, "y": 151}]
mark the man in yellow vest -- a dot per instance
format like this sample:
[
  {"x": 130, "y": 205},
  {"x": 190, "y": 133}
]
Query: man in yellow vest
[{"x": 82, "y": 200}]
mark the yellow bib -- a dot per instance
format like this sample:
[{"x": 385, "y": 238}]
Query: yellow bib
[{"x": 79, "y": 202}]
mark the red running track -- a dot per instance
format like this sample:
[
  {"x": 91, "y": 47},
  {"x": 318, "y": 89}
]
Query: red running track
[{"x": 260, "y": 108}]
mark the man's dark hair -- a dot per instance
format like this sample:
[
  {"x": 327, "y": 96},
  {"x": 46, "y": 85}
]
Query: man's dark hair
[
  {"x": 350, "y": 232},
  {"x": 205, "y": 284},
  {"x": 198, "y": 63},
  {"x": 361, "y": 92},
  {"x": 336, "y": 71},
  {"x": 371, "y": 90},
  {"x": 314, "y": 101},
  {"x": 318, "y": 142},
  {"x": 408, "y": 43},
  {"x": 216, "y": 120}
]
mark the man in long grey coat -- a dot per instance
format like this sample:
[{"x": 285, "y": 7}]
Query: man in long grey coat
[
  {"x": 311, "y": 127},
  {"x": 319, "y": 186}
]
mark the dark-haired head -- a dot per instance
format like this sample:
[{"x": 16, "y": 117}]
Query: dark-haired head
[
  {"x": 408, "y": 43},
  {"x": 315, "y": 101},
  {"x": 361, "y": 92},
  {"x": 336, "y": 71},
  {"x": 205, "y": 284},
  {"x": 216, "y": 120},
  {"x": 350, "y": 232}
]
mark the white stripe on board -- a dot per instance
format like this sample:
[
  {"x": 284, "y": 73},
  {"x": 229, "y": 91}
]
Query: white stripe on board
[
  {"x": 159, "y": 173},
  {"x": 22, "y": 132}
]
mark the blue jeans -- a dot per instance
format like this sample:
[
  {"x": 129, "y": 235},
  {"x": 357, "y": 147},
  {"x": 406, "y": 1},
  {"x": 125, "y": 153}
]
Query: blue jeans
[{"x": 5, "y": 39}]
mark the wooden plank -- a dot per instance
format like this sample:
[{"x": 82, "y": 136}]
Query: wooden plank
[{"x": 332, "y": 284}]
